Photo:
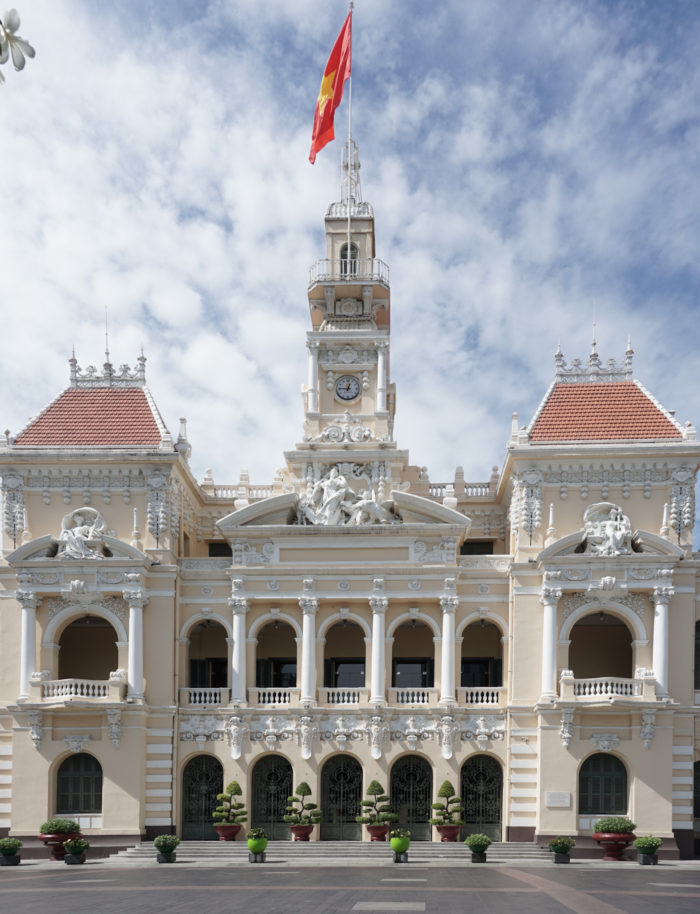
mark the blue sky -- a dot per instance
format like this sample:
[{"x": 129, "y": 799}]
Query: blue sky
[{"x": 529, "y": 163}]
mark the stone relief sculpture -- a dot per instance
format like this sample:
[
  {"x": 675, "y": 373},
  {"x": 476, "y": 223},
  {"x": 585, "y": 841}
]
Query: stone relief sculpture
[
  {"x": 333, "y": 502},
  {"x": 81, "y": 535},
  {"x": 607, "y": 530}
]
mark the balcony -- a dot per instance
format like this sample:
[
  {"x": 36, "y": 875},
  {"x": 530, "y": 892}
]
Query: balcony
[
  {"x": 413, "y": 696},
  {"x": 360, "y": 271},
  {"x": 606, "y": 688},
  {"x": 58, "y": 691},
  {"x": 273, "y": 697},
  {"x": 480, "y": 695},
  {"x": 343, "y": 697},
  {"x": 203, "y": 697}
]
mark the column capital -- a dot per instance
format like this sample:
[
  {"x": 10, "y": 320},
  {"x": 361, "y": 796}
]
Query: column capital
[
  {"x": 550, "y": 595},
  {"x": 135, "y": 597},
  {"x": 449, "y": 603},
  {"x": 27, "y": 598},
  {"x": 378, "y": 603},
  {"x": 662, "y": 594},
  {"x": 308, "y": 604},
  {"x": 238, "y": 605}
]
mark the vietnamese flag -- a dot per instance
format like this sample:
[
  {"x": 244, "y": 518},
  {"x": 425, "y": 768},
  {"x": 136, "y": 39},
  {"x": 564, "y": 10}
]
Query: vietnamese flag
[{"x": 331, "y": 92}]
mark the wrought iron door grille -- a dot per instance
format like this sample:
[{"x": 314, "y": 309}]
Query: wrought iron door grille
[
  {"x": 341, "y": 792},
  {"x": 202, "y": 780},
  {"x": 412, "y": 795},
  {"x": 482, "y": 795},
  {"x": 272, "y": 784}
]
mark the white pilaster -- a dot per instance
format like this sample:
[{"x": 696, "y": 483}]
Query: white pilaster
[
  {"x": 27, "y": 659},
  {"x": 378, "y": 605},
  {"x": 312, "y": 377},
  {"x": 239, "y": 607},
  {"x": 309, "y": 607},
  {"x": 381, "y": 376},
  {"x": 662, "y": 597},
  {"x": 549, "y": 598},
  {"x": 449, "y": 605}
]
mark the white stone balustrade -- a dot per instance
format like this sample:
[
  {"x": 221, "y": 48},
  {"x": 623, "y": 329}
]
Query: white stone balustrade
[
  {"x": 605, "y": 687},
  {"x": 270, "y": 697},
  {"x": 84, "y": 689},
  {"x": 413, "y": 696},
  {"x": 343, "y": 696},
  {"x": 480, "y": 695},
  {"x": 202, "y": 696}
]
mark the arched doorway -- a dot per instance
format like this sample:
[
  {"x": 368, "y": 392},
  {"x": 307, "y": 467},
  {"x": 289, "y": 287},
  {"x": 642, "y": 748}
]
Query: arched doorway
[
  {"x": 411, "y": 794},
  {"x": 341, "y": 793},
  {"x": 271, "y": 785},
  {"x": 482, "y": 795},
  {"x": 601, "y": 645},
  {"x": 208, "y": 653},
  {"x": 276, "y": 657},
  {"x": 344, "y": 656},
  {"x": 602, "y": 786},
  {"x": 87, "y": 649},
  {"x": 202, "y": 780},
  {"x": 482, "y": 656},
  {"x": 79, "y": 788}
]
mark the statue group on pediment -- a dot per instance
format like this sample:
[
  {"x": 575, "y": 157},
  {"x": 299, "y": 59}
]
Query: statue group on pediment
[
  {"x": 333, "y": 502},
  {"x": 607, "y": 530},
  {"x": 81, "y": 535}
]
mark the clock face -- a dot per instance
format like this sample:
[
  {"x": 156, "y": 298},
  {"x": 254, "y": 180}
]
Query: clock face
[{"x": 347, "y": 387}]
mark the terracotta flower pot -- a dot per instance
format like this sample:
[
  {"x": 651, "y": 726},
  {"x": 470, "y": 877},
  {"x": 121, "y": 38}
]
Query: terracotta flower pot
[
  {"x": 55, "y": 843},
  {"x": 227, "y": 832},
  {"x": 449, "y": 833},
  {"x": 378, "y": 832},
  {"x": 613, "y": 843},
  {"x": 301, "y": 832}
]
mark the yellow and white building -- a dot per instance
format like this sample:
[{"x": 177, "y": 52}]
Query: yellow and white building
[{"x": 532, "y": 637}]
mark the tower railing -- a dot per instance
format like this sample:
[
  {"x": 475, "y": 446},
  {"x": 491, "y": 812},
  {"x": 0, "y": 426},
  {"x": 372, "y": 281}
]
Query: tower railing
[{"x": 369, "y": 270}]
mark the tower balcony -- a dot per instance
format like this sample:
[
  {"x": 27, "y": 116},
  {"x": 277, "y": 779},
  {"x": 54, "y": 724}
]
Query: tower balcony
[{"x": 361, "y": 272}]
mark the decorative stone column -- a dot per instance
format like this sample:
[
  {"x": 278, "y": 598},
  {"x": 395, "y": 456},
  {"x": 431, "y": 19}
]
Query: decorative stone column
[
  {"x": 27, "y": 659},
  {"x": 312, "y": 377},
  {"x": 136, "y": 599},
  {"x": 549, "y": 598},
  {"x": 309, "y": 607},
  {"x": 378, "y": 604},
  {"x": 239, "y": 607},
  {"x": 381, "y": 376},
  {"x": 662, "y": 597},
  {"x": 449, "y": 604}
]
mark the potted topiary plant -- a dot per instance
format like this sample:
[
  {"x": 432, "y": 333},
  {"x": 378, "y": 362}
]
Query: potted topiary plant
[
  {"x": 561, "y": 846},
  {"x": 9, "y": 851},
  {"x": 447, "y": 819},
  {"x": 165, "y": 845},
  {"x": 478, "y": 845},
  {"x": 614, "y": 834},
  {"x": 229, "y": 814},
  {"x": 76, "y": 850},
  {"x": 400, "y": 840},
  {"x": 647, "y": 845},
  {"x": 377, "y": 812},
  {"x": 54, "y": 832},
  {"x": 257, "y": 842},
  {"x": 302, "y": 818}
]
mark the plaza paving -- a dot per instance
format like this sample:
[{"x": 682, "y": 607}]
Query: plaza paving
[{"x": 111, "y": 887}]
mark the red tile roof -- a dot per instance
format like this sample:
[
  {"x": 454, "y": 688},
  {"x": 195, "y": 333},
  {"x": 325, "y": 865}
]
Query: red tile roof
[
  {"x": 615, "y": 411},
  {"x": 94, "y": 417}
]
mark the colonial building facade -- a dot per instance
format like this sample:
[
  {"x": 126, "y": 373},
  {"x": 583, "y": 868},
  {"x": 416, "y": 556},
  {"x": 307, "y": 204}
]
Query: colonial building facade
[{"x": 530, "y": 637}]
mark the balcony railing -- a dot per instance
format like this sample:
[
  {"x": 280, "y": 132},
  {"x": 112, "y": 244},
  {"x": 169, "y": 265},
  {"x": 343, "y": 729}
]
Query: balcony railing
[
  {"x": 82, "y": 689},
  {"x": 370, "y": 270},
  {"x": 480, "y": 695},
  {"x": 413, "y": 696},
  {"x": 603, "y": 688},
  {"x": 201, "y": 697},
  {"x": 272, "y": 697},
  {"x": 340, "y": 696}
]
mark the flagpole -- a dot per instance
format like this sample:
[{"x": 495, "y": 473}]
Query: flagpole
[{"x": 349, "y": 137}]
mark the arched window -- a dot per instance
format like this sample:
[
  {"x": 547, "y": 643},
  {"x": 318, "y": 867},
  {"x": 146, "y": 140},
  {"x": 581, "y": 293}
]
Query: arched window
[
  {"x": 354, "y": 254},
  {"x": 88, "y": 649},
  {"x": 602, "y": 786},
  {"x": 79, "y": 786}
]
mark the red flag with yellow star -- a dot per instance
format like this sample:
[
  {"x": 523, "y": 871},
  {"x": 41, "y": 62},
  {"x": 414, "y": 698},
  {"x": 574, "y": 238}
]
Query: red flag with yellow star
[{"x": 331, "y": 92}]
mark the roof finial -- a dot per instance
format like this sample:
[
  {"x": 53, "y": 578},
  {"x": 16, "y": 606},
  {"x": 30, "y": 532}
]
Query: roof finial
[{"x": 106, "y": 336}]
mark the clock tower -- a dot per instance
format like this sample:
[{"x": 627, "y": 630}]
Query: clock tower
[{"x": 349, "y": 401}]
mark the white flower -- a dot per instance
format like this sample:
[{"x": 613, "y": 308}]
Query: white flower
[{"x": 11, "y": 43}]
